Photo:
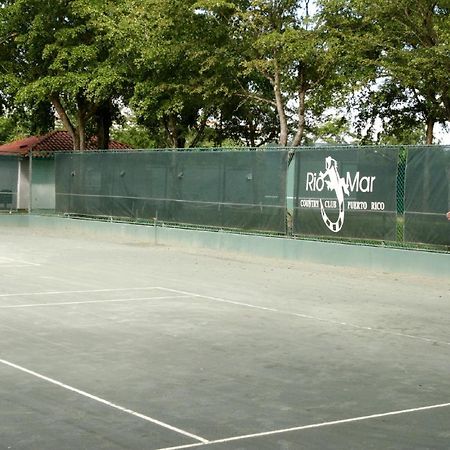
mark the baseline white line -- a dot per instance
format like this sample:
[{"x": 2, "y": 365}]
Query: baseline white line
[
  {"x": 86, "y": 302},
  {"x": 10, "y": 266},
  {"x": 311, "y": 426},
  {"x": 19, "y": 261},
  {"x": 306, "y": 316},
  {"x": 86, "y": 291},
  {"x": 104, "y": 402}
]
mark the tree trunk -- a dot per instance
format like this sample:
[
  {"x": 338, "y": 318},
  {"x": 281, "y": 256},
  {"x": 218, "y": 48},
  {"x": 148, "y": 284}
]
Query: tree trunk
[
  {"x": 103, "y": 119},
  {"x": 82, "y": 134},
  {"x": 78, "y": 132},
  {"x": 218, "y": 135},
  {"x": 252, "y": 133},
  {"x": 56, "y": 102},
  {"x": 81, "y": 127},
  {"x": 283, "y": 139},
  {"x": 76, "y": 141},
  {"x": 200, "y": 131},
  {"x": 430, "y": 130},
  {"x": 446, "y": 101},
  {"x": 171, "y": 127},
  {"x": 301, "y": 110}
]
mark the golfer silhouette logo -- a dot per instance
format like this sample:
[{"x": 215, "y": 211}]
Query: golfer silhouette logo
[{"x": 335, "y": 183}]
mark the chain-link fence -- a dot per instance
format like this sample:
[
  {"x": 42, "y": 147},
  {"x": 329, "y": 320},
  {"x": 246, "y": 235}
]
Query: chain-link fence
[
  {"x": 427, "y": 196},
  {"x": 395, "y": 196},
  {"x": 346, "y": 193},
  {"x": 400, "y": 191},
  {"x": 390, "y": 195},
  {"x": 9, "y": 182},
  {"x": 235, "y": 190}
]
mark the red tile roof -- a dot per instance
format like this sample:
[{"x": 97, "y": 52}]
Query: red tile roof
[{"x": 44, "y": 146}]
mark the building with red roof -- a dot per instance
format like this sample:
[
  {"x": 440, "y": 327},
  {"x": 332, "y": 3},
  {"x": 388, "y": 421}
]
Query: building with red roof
[
  {"x": 17, "y": 169},
  {"x": 45, "y": 146}
]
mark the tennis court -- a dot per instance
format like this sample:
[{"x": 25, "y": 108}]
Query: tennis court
[{"x": 109, "y": 345}]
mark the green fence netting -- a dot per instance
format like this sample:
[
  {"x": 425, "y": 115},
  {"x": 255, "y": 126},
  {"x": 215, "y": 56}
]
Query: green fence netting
[
  {"x": 9, "y": 172},
  {"x": 244, "y": 190},
  {"x": 427, "y": 196},
  {"x": 348, "y": 192}
]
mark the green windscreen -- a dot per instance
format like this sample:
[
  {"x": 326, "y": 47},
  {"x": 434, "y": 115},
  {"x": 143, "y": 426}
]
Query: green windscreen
[
  {"x": 427, "y": 196},
  {"x": 243, "y": 190},
  {"x": 348, "y": 192},
  {"x": 9, "y": 171}
]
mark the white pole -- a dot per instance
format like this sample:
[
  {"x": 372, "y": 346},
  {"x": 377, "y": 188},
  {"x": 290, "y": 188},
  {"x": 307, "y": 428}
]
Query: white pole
[{"x": 30, "y": 181}]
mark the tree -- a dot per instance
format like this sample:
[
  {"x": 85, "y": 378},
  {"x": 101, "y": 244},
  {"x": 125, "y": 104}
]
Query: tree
[
  {"x": 400, "y": 51},
  {"x": 22, "y": 120},
  {"x": 179, "y": 70},
  {"x": 250, "y": 123},
  {"x": 284, "y": 59},
  {"x": 57, "y": 51}
]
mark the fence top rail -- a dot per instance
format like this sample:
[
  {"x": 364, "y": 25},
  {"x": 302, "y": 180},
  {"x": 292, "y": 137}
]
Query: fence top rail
[{"x": 259, "y": 149}]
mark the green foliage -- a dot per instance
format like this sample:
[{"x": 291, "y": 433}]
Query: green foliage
[
  {"x": 334, "y": 130},
  {"x": 9, "y": 130},
  {"x": 285, "y": 58},
  {"x": 400, "y": 52},
  {"x": 57, "y": 51},
  {"x": 205, "y": 72},
  {"x": 184, "y": 71},
  {"x": 138, "y": 137},
  {"x": 25, "y": 120}
]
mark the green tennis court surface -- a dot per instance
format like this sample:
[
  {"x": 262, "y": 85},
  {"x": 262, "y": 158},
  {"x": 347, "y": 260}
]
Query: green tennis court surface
[{"x": 125, "y": 346}]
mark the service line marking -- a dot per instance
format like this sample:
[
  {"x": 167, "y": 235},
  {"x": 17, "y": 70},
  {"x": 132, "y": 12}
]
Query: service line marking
[
  {"x": 86, "y": 302},
  {"x": 311, "y": 426},
  {"x": 85, "y": 291},
  {"x": 307, "y": 316},
  {"x": 104, "y": 402}
]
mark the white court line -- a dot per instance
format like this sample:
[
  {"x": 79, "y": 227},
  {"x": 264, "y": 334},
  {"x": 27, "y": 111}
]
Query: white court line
[
  {"x": 86, "y": 302},
  {"x": 311, "y": 426},
  {"x": 19, "y": 261},
  {"x": 306, "y": 316},
  {"x": 104, "y": 402},
  {"x": 86, "y": 291},
  {"x": 10, "y": 266}
]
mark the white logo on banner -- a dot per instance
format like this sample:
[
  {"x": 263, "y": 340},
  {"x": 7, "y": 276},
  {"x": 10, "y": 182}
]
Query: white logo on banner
[{"x": 341, "y": 187}]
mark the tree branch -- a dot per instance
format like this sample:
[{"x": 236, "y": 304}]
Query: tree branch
[
  {"x": 200, "y": 130},
  {"x": 7, "y": 38},
  {"x": 56, "y": 102},
  {"x": 258, "y": 98}
]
